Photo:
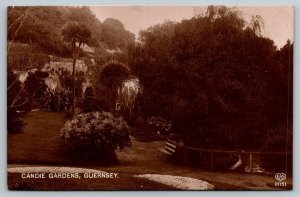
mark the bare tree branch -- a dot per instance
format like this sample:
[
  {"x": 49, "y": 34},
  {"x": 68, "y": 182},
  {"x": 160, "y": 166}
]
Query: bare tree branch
[
  {"x": 12, "y": 83},
  {"x": 26, "y": 14},
  {"x": 18, "y": 19},
  {"x": 26, "y": 101},
  {"x": 18, "y": 95}
]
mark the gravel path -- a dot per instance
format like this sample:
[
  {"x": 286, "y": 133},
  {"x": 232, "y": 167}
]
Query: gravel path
[{"x": 179, "y": 182}]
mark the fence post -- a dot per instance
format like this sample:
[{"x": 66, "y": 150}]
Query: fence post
[
  {"x": 250, "y": 162},
  {"x": 211, "y": 160}
]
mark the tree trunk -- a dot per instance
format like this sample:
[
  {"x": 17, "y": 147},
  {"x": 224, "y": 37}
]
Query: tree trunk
[{"x": 75, "y": 56}]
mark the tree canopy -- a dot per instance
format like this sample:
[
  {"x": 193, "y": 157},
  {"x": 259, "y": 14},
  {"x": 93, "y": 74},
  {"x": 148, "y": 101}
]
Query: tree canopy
[
  {"x": 112, "y": 77},
  {"x": 213, "y": 76}
]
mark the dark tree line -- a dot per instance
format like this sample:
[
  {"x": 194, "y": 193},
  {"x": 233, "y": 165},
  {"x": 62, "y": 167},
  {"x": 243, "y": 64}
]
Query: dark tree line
[{"x": 217, "y": 78}]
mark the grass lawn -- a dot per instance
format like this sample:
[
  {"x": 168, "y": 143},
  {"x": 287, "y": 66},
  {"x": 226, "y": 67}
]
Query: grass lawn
[
  {"x": 148, "y": 136},
  {"x": 39, "y": 141},
  {"x": 38, "y": 144}
]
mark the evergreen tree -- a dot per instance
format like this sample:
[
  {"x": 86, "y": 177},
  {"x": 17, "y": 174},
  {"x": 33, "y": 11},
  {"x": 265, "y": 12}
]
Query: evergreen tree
[{"x": 89, "y": 104}]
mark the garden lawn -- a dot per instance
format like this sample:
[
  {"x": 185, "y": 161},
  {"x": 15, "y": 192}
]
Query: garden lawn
[{"x": 38, "y": 145}]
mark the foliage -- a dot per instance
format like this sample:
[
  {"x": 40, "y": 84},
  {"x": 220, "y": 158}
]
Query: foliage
[
  {"x": 56, "y": 100},
  {"x": 95, "y": 136},
  {"x": 145, "y": 132},
  {"x": 76, "y": 34},
  {"x": 66, "y": 82},
  {"x": 34, "y": 31},
  {"x": 41, "y": 25},
  {"x": 37, "y": 25},
  {"x": 14, "y": 89},
  {"x": 103, "y": 103},
  {"x": 128, "y": 95},
  {"x": 280, "y": 106},
  {"x": 114, "y": 34},
  {"x": 14, "y": 119},
  {"x": 22, "y": 97},
  {"x": 213, "y": 76},
  {"x": 89, "y": 103},
  {"x": 24, "y": 57},
  {"x": 279, "y": 139},
  {"x": 26, "y": 95},
  {"x": 103, "y": 55},
  {"x": 112, "y": 77},
  {"x": 34, "y": 86},
  {"x": 159, "y": 125}
]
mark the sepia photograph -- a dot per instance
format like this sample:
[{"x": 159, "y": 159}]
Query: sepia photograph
[{"x": 151, "y": 98}]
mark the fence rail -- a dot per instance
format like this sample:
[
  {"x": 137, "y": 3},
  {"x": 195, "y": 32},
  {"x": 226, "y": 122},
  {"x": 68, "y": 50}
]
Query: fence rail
[{"x": 212, "y": 151}]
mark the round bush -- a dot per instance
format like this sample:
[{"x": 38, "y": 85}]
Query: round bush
[{"x": 95, "y": 136}]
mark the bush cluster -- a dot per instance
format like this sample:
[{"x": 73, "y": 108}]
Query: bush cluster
[
  {"x": 15, "y": 122},
  {"x": 56, "y": 100},
  {"x": 159, "y": 124},
  {"x": 279, "y": 139},
  {"x": 95, "y": 136}
]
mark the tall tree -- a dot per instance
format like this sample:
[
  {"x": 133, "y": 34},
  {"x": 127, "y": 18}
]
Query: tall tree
[
  {"x": 210, "y": 75},
  {"x": 76, "y": 35}
]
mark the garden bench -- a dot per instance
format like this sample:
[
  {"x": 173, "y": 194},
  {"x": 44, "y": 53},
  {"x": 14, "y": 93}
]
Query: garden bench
[{"x": 169, "y": 149}]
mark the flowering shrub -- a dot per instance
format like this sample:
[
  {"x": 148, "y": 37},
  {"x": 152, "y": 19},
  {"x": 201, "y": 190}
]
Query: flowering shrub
[{"x": 95, "y": 136}]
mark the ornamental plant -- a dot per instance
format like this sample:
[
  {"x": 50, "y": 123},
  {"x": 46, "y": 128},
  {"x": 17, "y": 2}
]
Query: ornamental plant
[
  {"x": 95, "y": 136},
  {"x": 56, "y": 100}
]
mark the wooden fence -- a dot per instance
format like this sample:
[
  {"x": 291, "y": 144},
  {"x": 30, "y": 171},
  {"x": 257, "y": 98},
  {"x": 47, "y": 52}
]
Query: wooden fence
[{"x": 212, "y": 152}]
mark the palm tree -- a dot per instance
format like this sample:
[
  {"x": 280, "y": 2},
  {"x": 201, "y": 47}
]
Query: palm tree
[{"x": 76, "y": 35}]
